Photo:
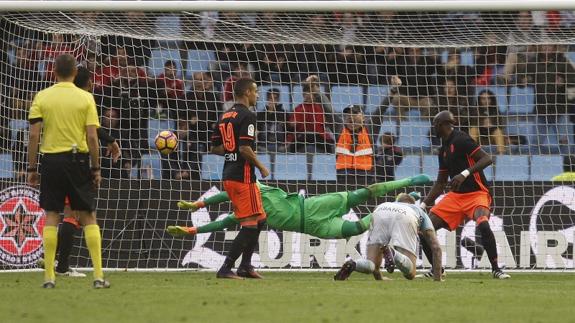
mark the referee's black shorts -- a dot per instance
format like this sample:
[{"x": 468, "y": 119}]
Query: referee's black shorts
[{"x": 64, "y": 175}]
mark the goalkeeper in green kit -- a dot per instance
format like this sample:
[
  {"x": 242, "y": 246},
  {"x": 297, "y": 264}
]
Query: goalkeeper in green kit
[{"x": 319, "y": 216}]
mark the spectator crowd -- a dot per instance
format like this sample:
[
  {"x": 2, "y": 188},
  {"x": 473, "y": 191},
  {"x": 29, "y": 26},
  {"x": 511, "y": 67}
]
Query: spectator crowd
[{"x": 512, "y": 99}]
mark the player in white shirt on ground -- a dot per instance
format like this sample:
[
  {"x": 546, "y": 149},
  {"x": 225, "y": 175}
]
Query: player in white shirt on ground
[{"x": 393, "y": 235}]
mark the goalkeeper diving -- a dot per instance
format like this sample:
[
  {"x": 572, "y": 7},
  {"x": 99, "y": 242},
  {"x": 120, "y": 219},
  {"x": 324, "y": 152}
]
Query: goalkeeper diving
[{"x": 319, "y": 216}]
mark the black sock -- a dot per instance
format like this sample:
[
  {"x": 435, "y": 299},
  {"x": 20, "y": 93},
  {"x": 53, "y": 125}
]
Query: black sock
[
  {"x": 65, "y": 244},
  {"x": 426, "y": 249},
  {"x": 251, "y": 245},
  {"x": 488, "y": 242},
  {"x": 238, "y": 246}
]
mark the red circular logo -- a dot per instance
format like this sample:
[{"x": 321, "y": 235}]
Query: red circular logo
[{"x": 21, "y": 224}]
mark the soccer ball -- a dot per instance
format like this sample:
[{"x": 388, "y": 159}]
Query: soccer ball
[{"x": 166, "y": 142}]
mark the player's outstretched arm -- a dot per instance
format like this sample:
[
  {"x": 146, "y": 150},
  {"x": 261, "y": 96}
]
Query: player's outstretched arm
[
  {"x": 437, "y": 188},
  {"x": 431, "y": 239},
  {"x": 212, "y": 200}
]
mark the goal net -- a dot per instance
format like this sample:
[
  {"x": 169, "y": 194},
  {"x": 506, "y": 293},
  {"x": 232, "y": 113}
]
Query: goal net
[{"x": 508, "y": 77}]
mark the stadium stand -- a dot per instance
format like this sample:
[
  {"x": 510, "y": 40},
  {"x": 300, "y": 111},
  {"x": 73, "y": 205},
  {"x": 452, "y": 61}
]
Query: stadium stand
[
  {"x": 290, "y": 167},
  {"x": 284, "y": 96},
  {"x": 323, "y": 168},
  {"x": 6, "y": 170},
  {"x": 410, "y": 166},
  {"x": 430, "y": 165},
  {"x": 151, "y": 163},
  {"x": 212, "y": 167},
  {"x": 267, "y": 161},
  {"x": 511, "y": 168},
  {"x": 199, "y": 61},
  {"x": 375, "y": 94},
  {"x": 414, "y": 135},
  {"x": 160, "y": 56},
  {"x": 500, "y": 94},
  {"x": 297, "y": 95},
  {"x": 543, "y": 168},
  {"x": 521, "y": 100},
  {"x": 342, "y": 96}
]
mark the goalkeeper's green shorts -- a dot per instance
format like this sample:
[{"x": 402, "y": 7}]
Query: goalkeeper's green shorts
[{"x": 323, "y": 214}]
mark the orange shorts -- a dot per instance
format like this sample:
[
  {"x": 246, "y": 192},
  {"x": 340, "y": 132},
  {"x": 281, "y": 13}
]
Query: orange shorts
[
  {"x": 246, "y": 200},
  {"x": 455, "y": 208}
]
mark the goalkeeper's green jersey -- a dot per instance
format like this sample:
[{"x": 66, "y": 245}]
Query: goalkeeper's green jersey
[
  {"x": 319, "y": 216},
  {"x": 283, "y": 210},
  {"x": 293, "y": 212}
]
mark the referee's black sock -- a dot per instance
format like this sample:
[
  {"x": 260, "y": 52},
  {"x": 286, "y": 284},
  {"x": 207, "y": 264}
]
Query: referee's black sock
[
  {"x": 489, "y": 244},
  {"x": 65, "y": 244},
  {"x": 238, "y": 246}
]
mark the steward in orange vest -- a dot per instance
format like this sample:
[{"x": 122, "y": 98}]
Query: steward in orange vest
[{"x": 354, "y": 149}]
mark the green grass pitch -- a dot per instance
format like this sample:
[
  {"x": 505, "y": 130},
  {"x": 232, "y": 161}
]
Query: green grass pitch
[{"x": 289, "y": 297}]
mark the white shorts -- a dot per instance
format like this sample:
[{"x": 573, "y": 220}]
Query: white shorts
[{"x": 396, "y": 227}]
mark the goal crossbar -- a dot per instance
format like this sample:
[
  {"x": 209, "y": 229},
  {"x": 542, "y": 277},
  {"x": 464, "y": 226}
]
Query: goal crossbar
[{"x": 291, "y": 6}]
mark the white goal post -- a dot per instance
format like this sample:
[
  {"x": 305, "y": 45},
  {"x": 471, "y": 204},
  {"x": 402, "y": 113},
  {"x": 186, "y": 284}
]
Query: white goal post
[{"x": 506, "y": 68}]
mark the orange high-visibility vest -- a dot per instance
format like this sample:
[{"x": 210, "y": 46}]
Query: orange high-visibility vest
[{"x": 361, "y": 158}]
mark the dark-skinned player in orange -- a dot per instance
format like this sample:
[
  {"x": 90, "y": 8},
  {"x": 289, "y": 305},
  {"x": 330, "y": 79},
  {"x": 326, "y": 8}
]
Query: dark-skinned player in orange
[{"x": 462, "y": 160}]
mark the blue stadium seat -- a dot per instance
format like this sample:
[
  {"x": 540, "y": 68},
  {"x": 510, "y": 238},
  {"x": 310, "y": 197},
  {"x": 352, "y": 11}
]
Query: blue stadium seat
[
  {"x": 511, "y": 168},
  {"x": 199, "y": 60},
  {"x": 161, "y": 56},
  {"x": 152, "y": 161},
  {"x": 521, "y": 100},
  {"x": 551, "y": 130},
  {"x": 490, "y": 149},
  {"x": 525, "y": 127},
  {"x": 267, "y": 161},
  {"x": 543, "y": 168},
  {"x": 6, "y": 166},
  {"x": 290, "y": 167},
  {"x": 284, "y": 96},
  {"x": 466, "y": 58},
  {"x": 17, "y": 125},
  {"x": 11, "y": 56},
  {"x": 500, "y": 95},
  {"x": 430, "y": 165},
  {"x": 410, "y": 166},
  {"x": 157, "y": 125},
  {"x": 342, "y": 96},
  {"x": 212, "y": 167},
  {"x": 391, "y": 110},
  {"x": 323, "y": 168},
  {"x": 42, "y": 67},
  {"x": 297, "y": 95},
  {"x": 375, "y": 94},
  {"x": 488, "y": 172},
  {"x": 414, "y": 133},
  {"x": 571, "y": 56}
]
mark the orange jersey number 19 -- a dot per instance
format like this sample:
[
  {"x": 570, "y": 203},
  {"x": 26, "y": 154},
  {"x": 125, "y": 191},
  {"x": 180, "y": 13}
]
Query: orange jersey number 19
[{"x": 227, "y": 132}]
